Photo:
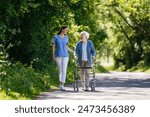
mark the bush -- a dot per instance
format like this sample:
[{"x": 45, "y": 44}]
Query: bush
[{"x": 24, "y": 81}]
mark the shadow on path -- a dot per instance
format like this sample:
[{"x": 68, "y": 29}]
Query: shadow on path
[
  {"x": 123, "y": 82},
  {"x": 109, "y": 86}
]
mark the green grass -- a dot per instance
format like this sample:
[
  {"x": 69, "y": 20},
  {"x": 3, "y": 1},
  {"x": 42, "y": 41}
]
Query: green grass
[
  {"x": 138, "y": 68},
  {"x": 12, "y": 96},
  {"x": 145, "y": 69},
  {"x": 101, "y": 69}
]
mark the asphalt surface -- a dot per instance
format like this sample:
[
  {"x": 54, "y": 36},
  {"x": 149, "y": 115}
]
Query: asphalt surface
[{"x": 109, "y": 86}]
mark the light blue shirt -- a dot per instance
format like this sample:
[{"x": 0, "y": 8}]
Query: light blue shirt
[
  {"x": 61, "y": 46},
  {"x": 84, "y": 51}
]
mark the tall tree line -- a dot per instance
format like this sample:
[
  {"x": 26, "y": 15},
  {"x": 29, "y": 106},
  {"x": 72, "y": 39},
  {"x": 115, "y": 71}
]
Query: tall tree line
[{"x": 28, "y": 26}]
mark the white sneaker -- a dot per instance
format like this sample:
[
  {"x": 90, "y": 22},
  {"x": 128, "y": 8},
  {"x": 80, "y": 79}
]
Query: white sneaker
[{"x": 62, "y": 88}]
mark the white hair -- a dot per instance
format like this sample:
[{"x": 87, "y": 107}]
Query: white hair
[{"x": 85, "y": 33}]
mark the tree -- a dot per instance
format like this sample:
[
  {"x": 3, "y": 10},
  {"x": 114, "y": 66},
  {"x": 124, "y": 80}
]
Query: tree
[{"x": 130, "y": 27}]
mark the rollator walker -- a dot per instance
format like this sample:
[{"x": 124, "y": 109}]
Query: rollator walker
[{"x": 91, "y": 80}]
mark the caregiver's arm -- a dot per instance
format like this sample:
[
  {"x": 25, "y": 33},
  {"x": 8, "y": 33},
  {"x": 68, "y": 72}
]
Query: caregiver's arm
[
  {"x": 76, "y": 52},
  {"x": 69, "y": 49}
]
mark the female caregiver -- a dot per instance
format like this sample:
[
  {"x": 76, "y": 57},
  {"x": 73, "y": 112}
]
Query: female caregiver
[{"x": 61, "y": 55}]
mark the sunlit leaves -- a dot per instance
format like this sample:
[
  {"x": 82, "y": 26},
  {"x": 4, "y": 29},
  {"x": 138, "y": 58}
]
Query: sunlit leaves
[{"x": 130, "y": 27}]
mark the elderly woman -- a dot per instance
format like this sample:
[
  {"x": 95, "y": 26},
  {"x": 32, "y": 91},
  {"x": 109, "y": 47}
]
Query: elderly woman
[{"x": 85, "y": 52}]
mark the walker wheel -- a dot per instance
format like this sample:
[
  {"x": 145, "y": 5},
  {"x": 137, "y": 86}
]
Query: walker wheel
[{"x": 93, "y": 86}]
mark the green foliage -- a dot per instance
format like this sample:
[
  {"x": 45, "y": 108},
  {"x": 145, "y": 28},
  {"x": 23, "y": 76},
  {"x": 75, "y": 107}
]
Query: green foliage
[
  {"x": 101, "y": 69},
  {"x": 129, "y": 24},
  {"x": 29, "y": 26},
  {"x": 3, "y": 62},
  {"x": 24, "y": 81}
]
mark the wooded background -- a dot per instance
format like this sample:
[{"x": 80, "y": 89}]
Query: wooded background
[{"x": 119, "y": 29}]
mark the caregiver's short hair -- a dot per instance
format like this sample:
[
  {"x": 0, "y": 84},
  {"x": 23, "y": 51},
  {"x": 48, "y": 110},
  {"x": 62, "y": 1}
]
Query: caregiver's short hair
[{"x": 85, "y": 33}]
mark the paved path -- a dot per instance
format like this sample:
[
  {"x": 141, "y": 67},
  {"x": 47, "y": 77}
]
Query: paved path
[{"x": 113, "y": 86}]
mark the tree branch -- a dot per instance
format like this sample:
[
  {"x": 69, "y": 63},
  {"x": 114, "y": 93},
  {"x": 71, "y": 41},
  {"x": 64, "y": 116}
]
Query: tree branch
[{"x": 120, "y": 14}]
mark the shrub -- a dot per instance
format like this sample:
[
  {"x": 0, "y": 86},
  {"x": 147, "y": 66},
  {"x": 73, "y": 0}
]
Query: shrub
[{"x": 24, "y": 80}]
